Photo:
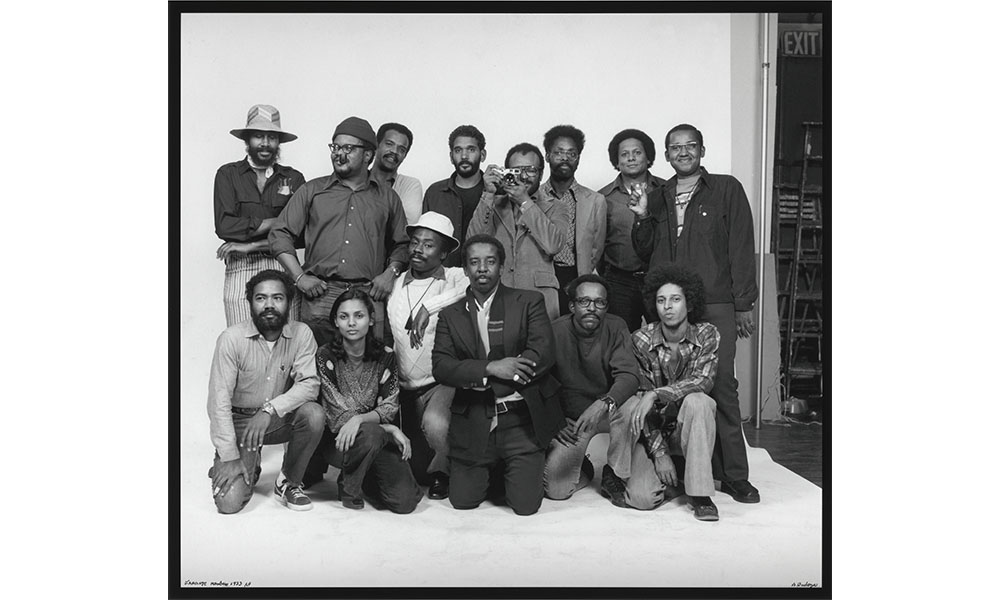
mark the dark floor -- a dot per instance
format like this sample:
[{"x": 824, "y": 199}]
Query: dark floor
[{"x": 795, "y": 445}]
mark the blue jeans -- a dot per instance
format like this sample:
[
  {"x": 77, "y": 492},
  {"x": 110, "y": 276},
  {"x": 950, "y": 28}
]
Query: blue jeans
[
  {"x": 373, "y": 464},
  {"x": 302, "y": 428},
  {"x": 562, "y": 477}
]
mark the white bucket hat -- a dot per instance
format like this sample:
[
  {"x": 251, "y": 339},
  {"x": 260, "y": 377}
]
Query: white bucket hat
[{"x": 438, "y": 223}]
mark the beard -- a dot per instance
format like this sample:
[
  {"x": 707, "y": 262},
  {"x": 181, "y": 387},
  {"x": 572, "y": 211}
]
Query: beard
[
  {"x": 561, "y": 174},
  {"x": 254, "y": 154},
  {"x": 467, "y": 168},
  {"x": 269, "y": 320}
]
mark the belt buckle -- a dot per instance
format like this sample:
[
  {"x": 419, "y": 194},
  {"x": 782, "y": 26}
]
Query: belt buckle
[
  {"x": 501, "y": 408},
  {"x": 639, "y": 274}
]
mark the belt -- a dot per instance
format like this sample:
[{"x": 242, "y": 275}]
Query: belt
[
  {"x": 624, "y": 273},
  {"x": 360, "y": 280},
  {"x": 245, "y": 411},
  {"x": 511, "y": 406}
]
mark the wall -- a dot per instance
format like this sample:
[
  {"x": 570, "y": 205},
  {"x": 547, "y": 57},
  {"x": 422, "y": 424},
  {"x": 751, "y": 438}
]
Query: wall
[{"x": 513, "y": 76}]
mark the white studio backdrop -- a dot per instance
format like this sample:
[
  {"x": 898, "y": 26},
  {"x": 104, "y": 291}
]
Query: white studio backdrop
[{"x": 512, "y": 76}]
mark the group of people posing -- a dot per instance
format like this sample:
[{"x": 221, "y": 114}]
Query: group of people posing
[{"x": 475, "y": 338}]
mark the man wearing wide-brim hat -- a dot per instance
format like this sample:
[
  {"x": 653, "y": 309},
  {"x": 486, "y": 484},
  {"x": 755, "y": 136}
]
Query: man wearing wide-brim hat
[
  {"x": 249, "y": 195},
  {"x": 418, "y": 295}
]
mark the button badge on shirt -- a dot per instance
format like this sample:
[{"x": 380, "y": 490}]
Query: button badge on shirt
[{"x": 285, "y": 190}]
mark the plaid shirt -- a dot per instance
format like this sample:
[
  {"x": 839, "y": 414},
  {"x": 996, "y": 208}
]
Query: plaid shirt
[{"x": 692, "y": 371}]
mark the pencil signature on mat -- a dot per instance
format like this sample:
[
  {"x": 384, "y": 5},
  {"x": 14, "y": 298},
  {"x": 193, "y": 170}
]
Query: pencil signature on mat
[
  {"x": 235, "y": 584},
  {"x": 805, "y": 584}
]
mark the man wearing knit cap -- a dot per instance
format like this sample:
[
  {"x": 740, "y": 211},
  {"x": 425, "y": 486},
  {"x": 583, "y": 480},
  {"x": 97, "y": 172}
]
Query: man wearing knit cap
[
  {"x": 249, "y": 195},
  {"x": 354, "y": 229}
]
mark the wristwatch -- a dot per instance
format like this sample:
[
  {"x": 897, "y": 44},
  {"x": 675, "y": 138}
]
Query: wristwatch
[
  {"x": 610, "y": 402},
  {"x": 267, "y": 408}
]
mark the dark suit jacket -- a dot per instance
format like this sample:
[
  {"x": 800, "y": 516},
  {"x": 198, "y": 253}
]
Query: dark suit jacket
[{"x": 459, "y": 360}]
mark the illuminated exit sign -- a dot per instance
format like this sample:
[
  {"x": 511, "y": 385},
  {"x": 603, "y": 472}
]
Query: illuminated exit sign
[{"x": 801, "y": 40}]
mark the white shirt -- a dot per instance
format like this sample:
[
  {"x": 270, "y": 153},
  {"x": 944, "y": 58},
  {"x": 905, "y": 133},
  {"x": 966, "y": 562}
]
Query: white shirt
[{"x": 411, "y": 194}]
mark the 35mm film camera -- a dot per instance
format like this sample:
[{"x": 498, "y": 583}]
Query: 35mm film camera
[{"x": 512, "y": 175}]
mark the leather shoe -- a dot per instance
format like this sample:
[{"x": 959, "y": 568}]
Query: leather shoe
[
  {"x": 438, "y": 489},
  {"x": 704, "y": 508},
  {"x": 613, "y": 487},
  {"x": 587, "y": 469},
  {"x": 741, "y": 491}
]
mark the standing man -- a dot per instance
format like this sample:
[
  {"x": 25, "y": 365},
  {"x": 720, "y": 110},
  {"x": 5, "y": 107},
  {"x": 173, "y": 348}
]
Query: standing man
[
  {"x": 531, "y": 228},
  {"x": 458, "y": 196},
  {"x": 354, "y": 229},
  {"x": 587, "y": 209},
  {"x": 249, "y": 195},
  {"x": 495, "y": 348},
  {"x": 262, "y": 390},
  {"x": 418, "y": 295},
  {"x": 596, "y": 365},
  {"x": 394, "y": 142},
  {"x": 703, "y": 221},
  {"x": 673, "y": 413},
  {"x": 632, "y": 153}
]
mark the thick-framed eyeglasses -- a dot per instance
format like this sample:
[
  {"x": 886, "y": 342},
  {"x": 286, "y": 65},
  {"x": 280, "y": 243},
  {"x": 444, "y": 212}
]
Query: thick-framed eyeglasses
[
  {"x": 345, "y": 148},
  {"x": 676, "y": 148},
  {"x": 529, "y": 170},
  {"x": 570, "y": 154},
  {"x": 585, "y": 302}
]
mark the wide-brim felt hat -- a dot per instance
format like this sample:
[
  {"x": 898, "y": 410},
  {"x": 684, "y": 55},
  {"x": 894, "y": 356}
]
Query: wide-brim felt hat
[
  {"x": 437, "y": 223},
  {"x": 264, "y": 117}
]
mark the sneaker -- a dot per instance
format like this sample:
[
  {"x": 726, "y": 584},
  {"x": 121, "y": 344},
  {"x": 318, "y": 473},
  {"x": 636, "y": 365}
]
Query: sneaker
[
  {"x": 704, "y": 509},
  {"x": 741, "y": 491},
  {"x": 291, "y": 496},
  {"x": 613, "y": 487}
]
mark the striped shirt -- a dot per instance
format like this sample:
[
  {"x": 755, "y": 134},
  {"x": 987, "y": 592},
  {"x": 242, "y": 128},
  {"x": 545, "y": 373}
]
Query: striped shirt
[
  {"x": 246, "y": 372},
  {"x": 673, "y": 378}
]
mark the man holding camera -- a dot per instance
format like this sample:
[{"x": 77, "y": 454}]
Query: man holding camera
[{"x": 531, "y": 228}]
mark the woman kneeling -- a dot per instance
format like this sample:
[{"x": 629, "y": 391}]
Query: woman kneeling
[{"x": 359, "y": 392}]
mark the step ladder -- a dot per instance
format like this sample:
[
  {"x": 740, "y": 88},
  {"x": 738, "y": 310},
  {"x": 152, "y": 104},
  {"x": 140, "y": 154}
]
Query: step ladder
[{"x": 798, "y": 245}]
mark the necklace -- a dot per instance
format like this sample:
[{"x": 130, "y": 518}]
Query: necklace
[{"x": 409, "y": 320}]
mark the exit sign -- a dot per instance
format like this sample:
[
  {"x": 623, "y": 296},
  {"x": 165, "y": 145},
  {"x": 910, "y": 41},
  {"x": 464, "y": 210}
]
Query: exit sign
[{"x": 801, "y": 40}]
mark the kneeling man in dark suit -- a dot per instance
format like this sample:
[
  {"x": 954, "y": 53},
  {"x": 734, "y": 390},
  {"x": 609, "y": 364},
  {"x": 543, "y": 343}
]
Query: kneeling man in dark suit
[{"x": 495, "y": 348}]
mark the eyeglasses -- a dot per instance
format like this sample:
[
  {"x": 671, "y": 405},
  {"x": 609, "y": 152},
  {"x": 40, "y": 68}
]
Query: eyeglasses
[
  {"x": 676, "y": 148},
  {"x": 570, "y": 154},
  {"x": 347, "y": 148},
  {"x": 585, "y": 302},
  {"x": 529, "y": 170}
]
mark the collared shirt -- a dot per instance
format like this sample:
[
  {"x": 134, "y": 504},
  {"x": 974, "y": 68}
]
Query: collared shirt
[
  {"x": 441, "y": 289},
  {"x": 348, "y": 234},
  {"x": 240, "y": 206},
  {"x": 716, "y": 241},
  {"x": 674, "y": 377},
  {"x": 618, "y": 250},
  {"x": 411, "y": 195},
  {"x": 567, "y": 256},
  {"x": 447, "y": 198},
  {"x": 246, "y": 372},
  {"x": 482, "y": 324},
  {"x": 593, "y": 365}
]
